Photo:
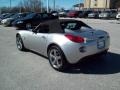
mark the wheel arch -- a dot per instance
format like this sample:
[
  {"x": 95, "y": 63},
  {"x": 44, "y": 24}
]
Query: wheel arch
[
  {"x": 23, "y": 47},
  {"x": 17, "y": 34},
  {"x": 20, "y": 34},
  {"x": 54, "y": 44},
  {"x": 65, "y": 58}
]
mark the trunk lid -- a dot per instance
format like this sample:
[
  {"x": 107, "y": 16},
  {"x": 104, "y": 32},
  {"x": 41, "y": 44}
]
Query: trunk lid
[{"x": 88, "y": 34}]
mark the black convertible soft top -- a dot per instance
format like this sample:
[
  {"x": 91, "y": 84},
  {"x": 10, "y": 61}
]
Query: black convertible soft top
[{"x": 55, "y": 25}]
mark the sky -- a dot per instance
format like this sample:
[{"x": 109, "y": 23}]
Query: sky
[{"x": 67, "y": 4}]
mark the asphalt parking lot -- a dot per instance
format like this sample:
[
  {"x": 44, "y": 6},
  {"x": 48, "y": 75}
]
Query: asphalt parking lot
[{"x": 30, "y": 71}]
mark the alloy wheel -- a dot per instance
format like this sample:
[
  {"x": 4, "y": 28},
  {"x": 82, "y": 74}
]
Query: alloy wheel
[
  {"x": 55, "y": 58},
  {"x": 19, "y": 42}
]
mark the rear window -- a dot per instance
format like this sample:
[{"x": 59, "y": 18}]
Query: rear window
[
  {"x": 74, "y": 25},
  {"x": 71, "y": 26}
]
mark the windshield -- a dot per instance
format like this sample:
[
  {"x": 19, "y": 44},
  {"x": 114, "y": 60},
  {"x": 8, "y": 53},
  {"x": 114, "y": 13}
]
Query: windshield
[
  {"x": 30, "y": 15},
  {"x": 9, "y": 15},
  {"x": 14, "y": 16}
]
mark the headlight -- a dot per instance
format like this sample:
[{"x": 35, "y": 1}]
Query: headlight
[
  {"x": 5, "y": 20},
  {"x": 19, "y": 22}
]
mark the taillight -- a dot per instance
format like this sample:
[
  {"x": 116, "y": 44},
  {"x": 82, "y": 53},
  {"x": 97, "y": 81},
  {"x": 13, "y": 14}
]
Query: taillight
[{"x": 76, "y": 39}]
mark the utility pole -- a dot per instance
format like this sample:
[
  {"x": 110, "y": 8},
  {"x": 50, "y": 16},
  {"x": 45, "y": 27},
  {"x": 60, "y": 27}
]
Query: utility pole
[
  {"x": 0, "y": 11},
  {"x": 20, "y": 10},
  {"x": 106, "y": 4},
  {"x": 10, "y": 4},
  {"x": 54, "y": 4},
  {"x": 48, "y": 6},
  {"x": 79, "y": 4},
  {"x": 41, "y": 5}
]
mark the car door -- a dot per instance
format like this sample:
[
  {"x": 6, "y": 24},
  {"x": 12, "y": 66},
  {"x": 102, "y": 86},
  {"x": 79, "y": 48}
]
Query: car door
[{"x": 37, "y": 40}]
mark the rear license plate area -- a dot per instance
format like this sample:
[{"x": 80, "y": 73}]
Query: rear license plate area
[{"x": 100, "y": 44}]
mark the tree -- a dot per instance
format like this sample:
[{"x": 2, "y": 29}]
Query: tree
[{"x": 31, "y": 5}]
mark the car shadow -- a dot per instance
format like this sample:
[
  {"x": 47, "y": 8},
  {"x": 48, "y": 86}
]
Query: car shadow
[{"x": 109, "y": 64}]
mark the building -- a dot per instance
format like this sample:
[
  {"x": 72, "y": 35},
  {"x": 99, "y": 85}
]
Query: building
[
  {"x": 79, "y": 6},
  {"x": 99, "y": 4}
]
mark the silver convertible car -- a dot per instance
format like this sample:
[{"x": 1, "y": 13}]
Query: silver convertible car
[{"x": 64, "y": 41}]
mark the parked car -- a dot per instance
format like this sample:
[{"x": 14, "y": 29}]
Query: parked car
[
  {"x": 55, "y": 13},
  {"x": 3, "y": 15},
  {"x": 63, "y": 13},
  {"x": 8, "y": 21},
  {"x": 64, "y": 41},
  {"x": 118, "y": 16},
  {"x": 113, "y": 14},
  {"x": 107, "y": 14},
  {"x": 84, "y": 14},
  {"x": 6, "y": 16},
  {"x": 94, "y": 14},
  {"x": 73, "y": 14},
  {"x": 31, "y": 20}
]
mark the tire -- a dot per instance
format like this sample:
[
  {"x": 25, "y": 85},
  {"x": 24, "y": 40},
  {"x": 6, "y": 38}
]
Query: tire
[
  {"x": 19, "y": 43},
  {"x": 57, "y": 58},
  {"x": 28, "y": 26}
]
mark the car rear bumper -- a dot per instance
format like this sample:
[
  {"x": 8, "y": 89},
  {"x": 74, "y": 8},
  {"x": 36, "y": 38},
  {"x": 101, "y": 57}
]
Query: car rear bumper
[{"x": 75, "y": 54}]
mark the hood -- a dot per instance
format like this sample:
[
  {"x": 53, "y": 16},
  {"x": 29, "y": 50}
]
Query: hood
[{"x": 7, "y": 19}]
